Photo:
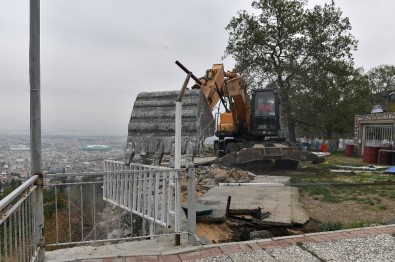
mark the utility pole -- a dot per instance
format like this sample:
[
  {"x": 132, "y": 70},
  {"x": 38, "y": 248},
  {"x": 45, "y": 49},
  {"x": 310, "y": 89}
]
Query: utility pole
[
  {"x": 35, "y": 82},
  {"x": 35, "y": 129}
]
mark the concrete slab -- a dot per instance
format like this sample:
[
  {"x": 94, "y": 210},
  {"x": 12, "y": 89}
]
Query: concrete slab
[
  {"x": 133, "y": 248},
  {"x": 282, "y": 202},
  {"x": 204, "y": 160}
]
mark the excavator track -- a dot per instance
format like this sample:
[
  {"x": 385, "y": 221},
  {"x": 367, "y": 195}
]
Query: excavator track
[{"x": 151, "y": 129}]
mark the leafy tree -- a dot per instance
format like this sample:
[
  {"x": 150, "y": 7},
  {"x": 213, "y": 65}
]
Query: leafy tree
[
  {"x": 332, "y": 108},
  {"x": 285, "y": 45},
  {"x": 16, "y": 174},
  {"x": 382, "y": 79},
  {"x": 382, "y": 84},
  {"x": 8, "y": 188}
]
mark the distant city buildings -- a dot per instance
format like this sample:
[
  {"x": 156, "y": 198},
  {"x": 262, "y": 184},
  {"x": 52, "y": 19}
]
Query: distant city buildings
[
  {"x": 20, "y": 148},
  {"x": 63, "y": 154}
]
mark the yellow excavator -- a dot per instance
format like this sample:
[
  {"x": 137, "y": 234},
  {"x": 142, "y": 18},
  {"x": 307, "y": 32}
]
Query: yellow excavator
[{"x": 247, "y": 130}]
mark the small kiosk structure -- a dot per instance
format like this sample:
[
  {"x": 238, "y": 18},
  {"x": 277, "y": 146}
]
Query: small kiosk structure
[{"x": 374, "y": 134}]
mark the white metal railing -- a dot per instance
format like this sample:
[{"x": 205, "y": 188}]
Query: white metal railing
[
  {"x": 81, "y": 208},
  {"x": 147, "y": 191},
  {"x": 376, "y": 135},
  {"x": 20, "y": 230},
  {"x": 74, "y": 209}
]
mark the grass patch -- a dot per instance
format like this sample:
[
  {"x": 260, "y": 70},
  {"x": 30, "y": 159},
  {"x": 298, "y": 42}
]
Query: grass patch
[
  {"x": 331, "y": 226},
  {"x": 370, "y": 195},
  {"x": 361, "y": 224},
  {"x": 323, "y": 194},
  {"x": 374, "y": 208}
]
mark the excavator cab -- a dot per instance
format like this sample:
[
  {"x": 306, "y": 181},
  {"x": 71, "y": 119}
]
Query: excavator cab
[{"x": 265, "y": 113}]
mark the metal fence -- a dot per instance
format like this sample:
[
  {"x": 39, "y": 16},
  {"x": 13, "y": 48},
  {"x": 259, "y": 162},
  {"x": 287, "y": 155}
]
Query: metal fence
[
  {"x": 21, "y": 223},
  {"x": 151, "y": 192},
  {"x": 121, "y": 203},
  {"x": 376, "y": 135},
  {"x": 74, "y": 209}
]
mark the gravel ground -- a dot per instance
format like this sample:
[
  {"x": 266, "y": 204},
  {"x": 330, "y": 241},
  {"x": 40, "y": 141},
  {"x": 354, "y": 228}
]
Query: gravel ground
[
  {"x": 292, "y": 253},
  {"x": 374, "y": 248}
]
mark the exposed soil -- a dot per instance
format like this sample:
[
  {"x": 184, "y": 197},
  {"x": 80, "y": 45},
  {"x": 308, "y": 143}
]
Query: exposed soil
[
  {"x": 233, "y": 231},
  {"x": 348, "y": 212},
  {"x": 217, "y": 233}
]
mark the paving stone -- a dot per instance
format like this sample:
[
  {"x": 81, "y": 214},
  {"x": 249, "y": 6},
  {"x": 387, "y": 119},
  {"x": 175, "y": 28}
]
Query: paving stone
[{"x": 292, "y": 253}]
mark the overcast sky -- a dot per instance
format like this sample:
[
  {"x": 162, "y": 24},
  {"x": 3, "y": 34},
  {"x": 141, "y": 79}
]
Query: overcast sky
[{"x": 97, "y": 55}]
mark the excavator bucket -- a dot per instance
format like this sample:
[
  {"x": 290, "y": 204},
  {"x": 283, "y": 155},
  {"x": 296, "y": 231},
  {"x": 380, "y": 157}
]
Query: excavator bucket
[{"x": 151, "y": 129}]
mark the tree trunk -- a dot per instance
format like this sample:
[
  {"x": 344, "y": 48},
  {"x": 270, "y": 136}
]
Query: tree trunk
[
  {"x": 291, "y": 130},
  {"x": 328, "y": 133},
  {"x": 287, "y": 108}
]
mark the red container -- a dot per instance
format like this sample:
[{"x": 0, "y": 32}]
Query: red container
[
  {"x": 324, "y": 148},
  {"x": 370, "y": 154},
  {"x": 349, "y": 150},
  {"x": 385, "y": 157}
]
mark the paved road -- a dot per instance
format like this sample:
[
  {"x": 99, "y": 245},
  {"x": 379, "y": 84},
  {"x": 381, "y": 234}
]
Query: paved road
[{"x": 366, "y": 244}]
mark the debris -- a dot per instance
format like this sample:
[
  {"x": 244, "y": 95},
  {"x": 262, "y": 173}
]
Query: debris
[
  {"x": 199, "y": 161},
  {"x": 200, "y": 209},
  {"x": 369, "y": 168},
  {"x": 253, "y": 184},
  {"x": 321, "y": 154},
  {"x": 252, "y": 221},
  {"x": 347, "y": 171},
  {"x": 255, "y": 213},
  {"x": 204, "y": 240},
  {"x": 358, "y": 169}
]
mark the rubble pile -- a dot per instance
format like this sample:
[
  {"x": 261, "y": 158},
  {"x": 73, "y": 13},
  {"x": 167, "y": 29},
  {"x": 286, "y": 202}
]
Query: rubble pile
[{"x": 210, "y": 176}]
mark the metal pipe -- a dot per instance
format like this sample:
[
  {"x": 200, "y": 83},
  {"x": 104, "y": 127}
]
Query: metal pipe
[
  {"x": 5, "y": 240},
  {"x": 14, "y": 194},
  {"x": 15, "y": 236},
  {"x": 191, "y": 206},
  {"x": 253, "y": 184},
  {"x": 183, "y": 88},
  {"x": 82, "y": 214},
  {"x": 189, "y": 72},
  {"x": 111, "y": 172},
  {"x": 56, "y": 215}
]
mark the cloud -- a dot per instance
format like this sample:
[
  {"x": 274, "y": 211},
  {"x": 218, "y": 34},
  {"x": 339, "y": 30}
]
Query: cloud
[{"x": 97, "y": 55}]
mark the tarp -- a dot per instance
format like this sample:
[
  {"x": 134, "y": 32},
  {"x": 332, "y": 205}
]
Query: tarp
[{"x": 390, "y": 170}]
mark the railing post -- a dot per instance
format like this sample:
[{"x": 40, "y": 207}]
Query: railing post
[
  {"x": 177, "y": 165},
  {"x": 191, "y": 206},
  {"x": 177, "y": 159}
]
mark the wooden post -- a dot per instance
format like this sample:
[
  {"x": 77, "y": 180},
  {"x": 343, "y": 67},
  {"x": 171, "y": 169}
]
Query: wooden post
[{"x": 35, "y": 128}]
